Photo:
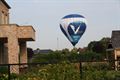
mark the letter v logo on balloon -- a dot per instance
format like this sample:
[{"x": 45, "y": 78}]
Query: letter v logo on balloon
[{"x": 73, "y": 26}]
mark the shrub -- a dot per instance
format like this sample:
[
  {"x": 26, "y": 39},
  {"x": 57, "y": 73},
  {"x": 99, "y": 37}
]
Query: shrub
[{"x": 3, "y": 69}]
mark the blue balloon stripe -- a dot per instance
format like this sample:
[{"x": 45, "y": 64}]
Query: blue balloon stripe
[
  {"x": 83, "y": 27},
  {"x": 63, "y": 31},
  {"x": 73, "y": 16}
]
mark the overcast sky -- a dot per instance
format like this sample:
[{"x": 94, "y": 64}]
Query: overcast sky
[{"x": 102, "y": 16}]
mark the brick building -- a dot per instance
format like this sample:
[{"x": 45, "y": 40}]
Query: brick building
[{"x": 13, "y": 38}]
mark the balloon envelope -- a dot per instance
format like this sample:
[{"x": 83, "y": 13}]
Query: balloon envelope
[{"x": 73, "y": 26}]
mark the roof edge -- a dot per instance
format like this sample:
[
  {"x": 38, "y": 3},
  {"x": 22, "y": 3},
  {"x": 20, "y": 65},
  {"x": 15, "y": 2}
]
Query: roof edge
[{"x": 4, "y": 2}]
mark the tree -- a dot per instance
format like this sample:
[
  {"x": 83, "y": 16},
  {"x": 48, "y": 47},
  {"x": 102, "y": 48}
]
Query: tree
[
  {"x": 105, "y": 41},
  {"x": 74, "y": 50},
  {"x": 91, "y": 45},
  {"x": 30, "y": 53},
  {"x": 99, "y": 46},
  {"x": 65, "y": 51}
]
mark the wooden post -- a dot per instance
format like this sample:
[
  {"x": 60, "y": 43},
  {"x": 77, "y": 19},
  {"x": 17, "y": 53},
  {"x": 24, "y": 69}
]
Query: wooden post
[{"x": 80, "y": 67}]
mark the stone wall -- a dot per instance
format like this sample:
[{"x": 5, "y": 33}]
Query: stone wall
[
  {"x": 4, "y": 14},
  {"x": 26, "y": 32},
  {"x": 15, "y": 46}
]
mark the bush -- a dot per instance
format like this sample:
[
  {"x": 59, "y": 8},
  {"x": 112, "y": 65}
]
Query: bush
[
  {"x": 3, "y": 69},
  {"x": 61, "y": 71},
  {"x": 96, "y": 66}
]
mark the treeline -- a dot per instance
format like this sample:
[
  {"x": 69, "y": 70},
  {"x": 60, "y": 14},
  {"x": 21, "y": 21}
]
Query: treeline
[
  {"x": 59, "y": 56},
  {"x": 96, "y": 50}
]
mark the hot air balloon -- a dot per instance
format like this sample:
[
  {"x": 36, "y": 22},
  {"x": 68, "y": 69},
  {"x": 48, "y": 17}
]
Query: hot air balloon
[{"x": 73, "y": 26}]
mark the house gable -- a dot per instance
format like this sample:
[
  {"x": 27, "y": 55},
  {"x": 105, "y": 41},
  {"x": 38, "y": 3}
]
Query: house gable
[{"x": 115, "y": 39}]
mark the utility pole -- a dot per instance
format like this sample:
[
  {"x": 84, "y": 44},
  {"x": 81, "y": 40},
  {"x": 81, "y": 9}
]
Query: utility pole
[{"x": 57, "y": 43}]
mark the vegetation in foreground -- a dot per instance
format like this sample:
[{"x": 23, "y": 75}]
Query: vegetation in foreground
[
  {"x": 69, "y": 71},
  {"x": 65, "y": 70}
]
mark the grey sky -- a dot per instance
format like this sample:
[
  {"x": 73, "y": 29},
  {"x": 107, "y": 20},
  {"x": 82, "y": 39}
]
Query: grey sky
[{"x": 102, "y": 16}]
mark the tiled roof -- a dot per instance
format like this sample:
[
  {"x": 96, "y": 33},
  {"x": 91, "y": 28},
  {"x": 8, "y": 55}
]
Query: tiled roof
[
  {"x": 115, "y": 39},
  {"x": 4, "y": 2},
  {"x": 43, "y": 51}
]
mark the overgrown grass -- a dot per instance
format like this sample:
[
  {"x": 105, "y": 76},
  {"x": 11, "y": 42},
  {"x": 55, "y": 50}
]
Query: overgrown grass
[
  {"x": 61, "y": 71},
  {"x": 68, "y": 71}
]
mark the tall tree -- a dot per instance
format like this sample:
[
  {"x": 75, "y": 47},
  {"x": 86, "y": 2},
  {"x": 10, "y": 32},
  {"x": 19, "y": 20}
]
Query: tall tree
[{"x": 99, "y": 46}]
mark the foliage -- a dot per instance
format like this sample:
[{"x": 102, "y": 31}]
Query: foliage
[
  {"x": 70, "y": 71},
  {"x": 61, "y": 71},
  {"x": 96, "y": 66},
  {"x": 99, "y": 46},
  {"x": 49, "y": 58},
  {"x": 30, "y": 52},
  {"x": 65, "y": 70},
  {"x": 3, "y": 69},
  {"x": 90, "y": 56},
  {"x": 59, "y": 56},
  {"x": 12, "y": 76},
  {"x": 74, "y": 50},
  {"x": 65, "y": 51},
  {"x": 101, "y": 75}
]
